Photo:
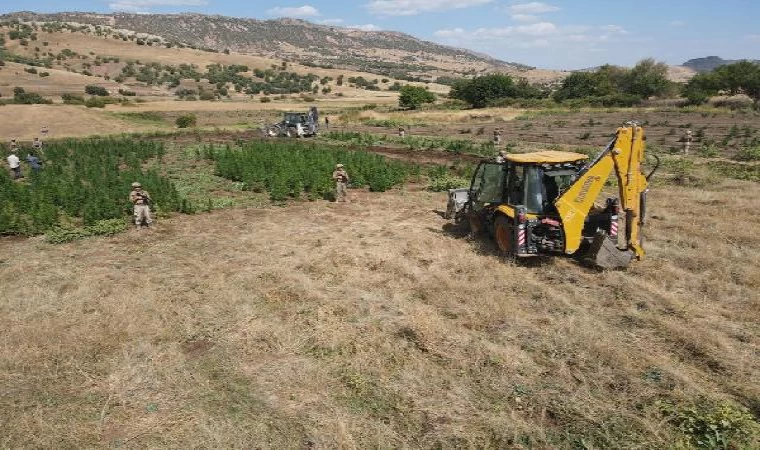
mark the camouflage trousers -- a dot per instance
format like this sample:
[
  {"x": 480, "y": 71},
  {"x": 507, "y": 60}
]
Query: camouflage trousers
[
  {"x": 340, "y": 191},
  {"x": 142, "y": 213}
]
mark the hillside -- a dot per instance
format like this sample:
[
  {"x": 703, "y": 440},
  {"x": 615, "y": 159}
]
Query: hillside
[
  {"x": 387, "y": 53},
  {"x": 70, "y": 58},
  {"x": 709, "y": 63}
]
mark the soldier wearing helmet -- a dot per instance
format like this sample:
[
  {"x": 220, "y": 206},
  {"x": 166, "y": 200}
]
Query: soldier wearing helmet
[
  {"x": 140, "y": 200},
  {"x": 341, "y": 182}
]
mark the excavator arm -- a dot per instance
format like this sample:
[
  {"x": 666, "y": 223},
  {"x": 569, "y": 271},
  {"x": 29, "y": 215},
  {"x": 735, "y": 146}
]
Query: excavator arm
[{"x": 624, "y": 155}]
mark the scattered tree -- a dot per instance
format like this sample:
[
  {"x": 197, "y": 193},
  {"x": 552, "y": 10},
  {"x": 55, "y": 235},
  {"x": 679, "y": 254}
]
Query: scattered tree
[{"x": 413, "y": 97}]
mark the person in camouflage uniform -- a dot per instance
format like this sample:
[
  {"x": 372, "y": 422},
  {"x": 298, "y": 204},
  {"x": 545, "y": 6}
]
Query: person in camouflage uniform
[
  {"x": 140, "y": 199},
  {"x": 341, "y": 182}
]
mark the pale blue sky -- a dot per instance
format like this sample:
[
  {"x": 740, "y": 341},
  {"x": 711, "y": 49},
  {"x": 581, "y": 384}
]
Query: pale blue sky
[{"x": 560, "y": 34}]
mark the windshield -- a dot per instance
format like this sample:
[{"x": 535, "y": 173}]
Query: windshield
[{"x": 292, "y": 117}]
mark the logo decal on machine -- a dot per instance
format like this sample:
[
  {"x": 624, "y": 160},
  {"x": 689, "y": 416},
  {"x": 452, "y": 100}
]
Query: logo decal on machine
[{"x": 584, "y": 190}]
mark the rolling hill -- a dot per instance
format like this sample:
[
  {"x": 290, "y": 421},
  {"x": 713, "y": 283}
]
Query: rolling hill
[
  {"x": 709, "y": 63},
  {"x": 388, "y": 53}
]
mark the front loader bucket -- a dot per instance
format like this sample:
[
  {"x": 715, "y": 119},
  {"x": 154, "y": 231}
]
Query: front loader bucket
[{"x": 604, "y": 254}]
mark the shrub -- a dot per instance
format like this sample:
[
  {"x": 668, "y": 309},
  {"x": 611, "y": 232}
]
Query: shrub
[
  {"x": 207, "y": 95},
  {"x": 71, "y": 99},
  {"x": 708, "y": 424},
  {"x": 127, "y": 93},
  {"x": 186, "y": 121},
  {"x": 21, "y": 97},
  {"x": 748, "y": 154},
  {"x": 265, "y": 99},
  {"x": 107, "y": 227},
  {"x": 92, "y": 89},
  {"x": 95, "y": 102}
]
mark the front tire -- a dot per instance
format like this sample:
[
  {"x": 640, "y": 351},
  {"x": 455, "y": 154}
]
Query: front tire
[{"x": 504, "y": 235}]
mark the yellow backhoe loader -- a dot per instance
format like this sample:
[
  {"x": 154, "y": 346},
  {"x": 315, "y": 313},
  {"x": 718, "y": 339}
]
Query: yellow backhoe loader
[{"x": 544, "y": 202}]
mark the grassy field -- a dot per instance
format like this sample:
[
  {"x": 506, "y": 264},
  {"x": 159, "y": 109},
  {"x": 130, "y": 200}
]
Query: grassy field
[{"x": 377, "y": 324}]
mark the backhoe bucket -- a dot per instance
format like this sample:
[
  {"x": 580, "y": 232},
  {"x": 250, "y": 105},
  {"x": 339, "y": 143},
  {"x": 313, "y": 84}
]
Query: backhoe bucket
[{"x": 604, "y": 253}]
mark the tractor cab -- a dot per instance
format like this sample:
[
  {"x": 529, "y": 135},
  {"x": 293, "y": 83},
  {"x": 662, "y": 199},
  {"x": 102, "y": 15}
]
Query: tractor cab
[
  {"x": 530, "y": 180},
  {"x": 293, "y": 118}
]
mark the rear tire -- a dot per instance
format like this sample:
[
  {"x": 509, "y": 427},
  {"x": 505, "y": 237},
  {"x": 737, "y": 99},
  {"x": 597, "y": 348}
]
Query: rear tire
[
  {"x": 291, "y": 132},
  {"x": 475, "y": 224},
  {"x": 504, "y": 235}
]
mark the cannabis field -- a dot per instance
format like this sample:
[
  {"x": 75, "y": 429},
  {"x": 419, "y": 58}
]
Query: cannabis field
[
  {"x": 84, "y": 184},
  {"x": 290, "y": 170}
]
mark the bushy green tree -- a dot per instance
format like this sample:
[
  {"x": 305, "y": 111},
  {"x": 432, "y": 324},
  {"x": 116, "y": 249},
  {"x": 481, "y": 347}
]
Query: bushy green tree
[
  {"x": 413, "y": 97},
  {"x": 617, "y": 86},
  {"x": 577, "y": 85},
  {"x": 648, "y": 78},
  {"x": 479, "y": 91}
]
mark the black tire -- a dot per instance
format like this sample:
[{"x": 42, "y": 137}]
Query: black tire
[{"x": 504, "y": 235}]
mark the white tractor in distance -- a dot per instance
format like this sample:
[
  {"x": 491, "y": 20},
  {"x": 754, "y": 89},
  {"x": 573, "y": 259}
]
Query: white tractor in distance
[{"x": 296, "y": 124}]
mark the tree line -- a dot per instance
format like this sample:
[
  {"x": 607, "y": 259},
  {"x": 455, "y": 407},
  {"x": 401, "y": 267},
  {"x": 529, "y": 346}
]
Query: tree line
[{"x": 609, "y": 86}]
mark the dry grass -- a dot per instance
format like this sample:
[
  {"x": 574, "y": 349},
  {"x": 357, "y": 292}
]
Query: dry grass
[
  {"x": 485, "y": 115},
  {"x": 59, "y": 81},
  {"x": 25, "y": 121},
  {"x": 368, "y": 325}
]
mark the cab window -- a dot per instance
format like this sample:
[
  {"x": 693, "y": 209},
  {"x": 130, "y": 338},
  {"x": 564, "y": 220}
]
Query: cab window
[{"x": 488, "y": 183}]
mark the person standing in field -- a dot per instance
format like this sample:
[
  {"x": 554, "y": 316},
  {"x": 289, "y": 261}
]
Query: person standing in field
[
  {"x": 341, "y": 182},
  {"x": 37, "y": 144},
  {"x": 687, "y": 142},
  {"x": 140, "y": 199},
  {"x": 401, "y": 131},
  {"x": 15, "y": 164},
  {"x": 327, "y": 122},
  {"x": 497, "y": 136}
]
